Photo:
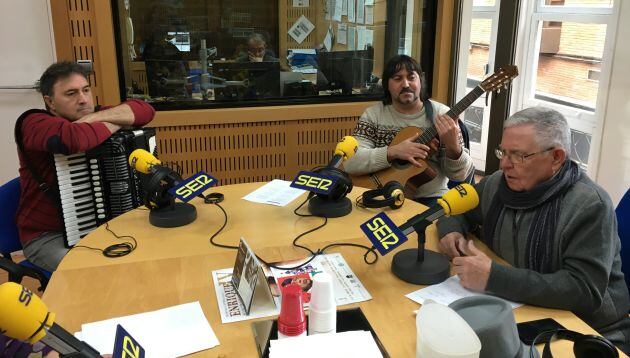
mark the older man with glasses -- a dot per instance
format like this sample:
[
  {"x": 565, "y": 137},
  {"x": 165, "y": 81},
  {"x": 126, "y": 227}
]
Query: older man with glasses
[
  {"x": 551, "y": 223},
  {"x": 257, "y": 50}
]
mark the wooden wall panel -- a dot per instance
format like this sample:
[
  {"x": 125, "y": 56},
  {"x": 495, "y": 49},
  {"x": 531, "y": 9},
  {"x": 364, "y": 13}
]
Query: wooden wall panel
[
  {"x": 75, "y": 18},
  {"x": 249, "y": 152},
  {"x": 81, "y": 35}
]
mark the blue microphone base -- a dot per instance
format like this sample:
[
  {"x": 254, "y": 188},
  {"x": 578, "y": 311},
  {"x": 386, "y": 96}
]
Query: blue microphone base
[
  {"x": 435, "y": 267},
  {"x": 178, "y": 214},
  {"x": 330, "y": 209}
]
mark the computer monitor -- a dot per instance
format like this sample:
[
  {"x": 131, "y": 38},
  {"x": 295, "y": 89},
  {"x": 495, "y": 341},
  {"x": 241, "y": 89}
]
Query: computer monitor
[
  {"x": 258, "y": 80},
  {"x": 344, "y": 69}
]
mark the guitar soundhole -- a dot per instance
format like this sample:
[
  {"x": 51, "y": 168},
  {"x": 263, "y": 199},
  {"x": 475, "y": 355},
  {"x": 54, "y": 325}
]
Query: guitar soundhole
[{"x": 400, "y": 163}]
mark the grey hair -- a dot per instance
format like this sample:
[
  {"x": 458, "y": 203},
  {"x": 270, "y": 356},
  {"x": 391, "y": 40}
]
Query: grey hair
[
  {"x": 550, "y": 125},
  {"x": 257, "y": 38}
]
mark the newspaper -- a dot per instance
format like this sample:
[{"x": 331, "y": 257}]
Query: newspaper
[
  {"x": 230, "y": 306},
  {"x": 347, "y": 286}
]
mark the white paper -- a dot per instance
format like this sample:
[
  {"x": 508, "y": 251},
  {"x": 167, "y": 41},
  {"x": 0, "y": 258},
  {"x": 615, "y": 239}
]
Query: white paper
[
  {"x": 369, "y": 15},
  {"x": 344, "y": 8},
  {"x": 351, "y": 38},
  {"x": 369, "y": 2},
  {"x": 276, "y": 192},
  {"x": 351, "y": 10},
  {"x": 369, "y": 37},
  {"x": 170, "y": 332},
  {"x": 360, "y": 11},
  {"x": 300, "y": 29},
  {"x": 337, "y": 9},
  {"x": 447, "y": 292},
  {"x": 300, "y": 3},
  {"x": 342, "y": 344},
  {"x": 328, "y": 40},
  {"x": 361, "y": 37},
  {"x": 342, "y": 30}
]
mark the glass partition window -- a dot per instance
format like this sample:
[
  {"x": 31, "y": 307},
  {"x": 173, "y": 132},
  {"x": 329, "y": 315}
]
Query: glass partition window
[{"x": 218, "y": 53}]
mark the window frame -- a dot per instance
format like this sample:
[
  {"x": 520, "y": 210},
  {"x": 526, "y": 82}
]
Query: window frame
[
  {"x": 531, "y": 19},
  {"x": 469, "y": 13}
]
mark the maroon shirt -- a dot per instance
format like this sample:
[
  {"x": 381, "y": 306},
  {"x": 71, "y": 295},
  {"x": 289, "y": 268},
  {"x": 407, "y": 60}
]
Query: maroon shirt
[{"x": 43, "y": 134}]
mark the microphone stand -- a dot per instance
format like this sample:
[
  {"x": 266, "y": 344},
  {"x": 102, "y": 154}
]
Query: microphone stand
[{"x": 420, "y": 266}]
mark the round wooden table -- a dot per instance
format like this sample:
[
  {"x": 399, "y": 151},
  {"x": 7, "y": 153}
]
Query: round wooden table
[{"x": 173, "y": 266}]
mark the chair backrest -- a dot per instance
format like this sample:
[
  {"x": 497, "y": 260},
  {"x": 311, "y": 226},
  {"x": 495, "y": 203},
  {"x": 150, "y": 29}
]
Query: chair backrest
[
  {"x": 623, "y": 227},
  {"x": 9, "y": 199}
]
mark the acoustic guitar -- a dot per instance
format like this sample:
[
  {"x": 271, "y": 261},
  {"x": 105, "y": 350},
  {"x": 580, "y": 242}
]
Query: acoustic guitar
[{"x": 413, "y": 177}]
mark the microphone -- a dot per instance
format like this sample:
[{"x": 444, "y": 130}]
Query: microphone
[
  {"x": 143, "y": 161},
  {"x": 344, "y": 150},
  {"x": 419, "y": 266},
  {"x": 332, "y": 202},
  {"x": 157, "y": 196},
  {"x": 23, "y": 316},
  {"x": 458, "y": 200}
]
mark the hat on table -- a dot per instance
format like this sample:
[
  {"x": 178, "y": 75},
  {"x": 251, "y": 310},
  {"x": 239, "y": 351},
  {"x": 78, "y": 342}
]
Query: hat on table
[{"x": 493, "y": 321}]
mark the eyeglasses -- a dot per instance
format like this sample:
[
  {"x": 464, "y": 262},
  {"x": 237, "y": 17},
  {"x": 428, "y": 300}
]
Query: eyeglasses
[{"x": 516, "y": 158}]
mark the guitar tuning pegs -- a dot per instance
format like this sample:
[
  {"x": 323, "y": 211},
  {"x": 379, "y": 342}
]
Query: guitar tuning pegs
[{"x": 499, "y": 90}]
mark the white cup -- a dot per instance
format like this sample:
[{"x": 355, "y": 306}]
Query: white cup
[{"x": 322, "y": 316}]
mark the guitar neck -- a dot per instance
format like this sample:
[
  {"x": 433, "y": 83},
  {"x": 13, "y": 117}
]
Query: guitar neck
[{"x": 455, "y": 111}]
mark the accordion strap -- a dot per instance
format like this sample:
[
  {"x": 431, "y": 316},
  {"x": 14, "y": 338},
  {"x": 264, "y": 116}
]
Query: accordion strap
[{"x": 42, "y": 184}]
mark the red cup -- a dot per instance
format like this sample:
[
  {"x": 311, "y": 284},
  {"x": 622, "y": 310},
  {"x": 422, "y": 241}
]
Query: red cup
[{"x": 292, "y": 321}]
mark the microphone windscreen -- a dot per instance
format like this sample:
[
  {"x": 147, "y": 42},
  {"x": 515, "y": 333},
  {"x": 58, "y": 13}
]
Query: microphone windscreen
[
  {"x": 347, "y": 147},
  {"x": 142, "y": 161},
  {"x": 23, "y": 315},
  {"x": 459, "y": 200}
]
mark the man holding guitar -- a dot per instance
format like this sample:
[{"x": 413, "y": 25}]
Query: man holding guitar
[{"x": 438, "y": 157}]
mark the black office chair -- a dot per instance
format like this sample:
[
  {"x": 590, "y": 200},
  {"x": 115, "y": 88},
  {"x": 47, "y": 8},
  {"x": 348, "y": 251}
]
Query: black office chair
[{"x": 623, "y": 222}]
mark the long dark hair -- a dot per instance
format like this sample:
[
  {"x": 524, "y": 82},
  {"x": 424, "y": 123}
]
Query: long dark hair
[{"x": 396, "y": 64}]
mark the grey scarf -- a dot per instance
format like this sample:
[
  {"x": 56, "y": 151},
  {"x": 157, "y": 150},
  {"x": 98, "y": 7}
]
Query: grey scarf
[{"x": 545, "y": 198}]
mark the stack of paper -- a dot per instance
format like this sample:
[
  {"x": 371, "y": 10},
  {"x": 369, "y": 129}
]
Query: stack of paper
[
  {"x": 169, "y": 332},
  {"x": 302, "y": 60},
  {"x": 342, "y": 345}
]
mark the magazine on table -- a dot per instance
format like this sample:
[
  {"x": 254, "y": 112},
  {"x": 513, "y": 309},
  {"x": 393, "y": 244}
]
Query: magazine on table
[{"x": 347, "y": 286}]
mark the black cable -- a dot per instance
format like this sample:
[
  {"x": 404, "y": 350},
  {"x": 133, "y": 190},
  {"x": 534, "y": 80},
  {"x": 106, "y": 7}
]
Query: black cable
[
  {"x": 225, "y": 216},
  {"x": 314, "y": 254},
  {"x": 547, "y": 335},
  {"x": 358, "y": 202},
  {"x": 115, "y": 250},
  {"x": 369, "y": 250},
  {"x": 323, "y": 250}
]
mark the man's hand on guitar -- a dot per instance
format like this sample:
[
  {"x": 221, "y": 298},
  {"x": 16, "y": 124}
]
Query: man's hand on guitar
[
  {"x": 408, "y": 150},
  {"x": 448, "y": 132}
]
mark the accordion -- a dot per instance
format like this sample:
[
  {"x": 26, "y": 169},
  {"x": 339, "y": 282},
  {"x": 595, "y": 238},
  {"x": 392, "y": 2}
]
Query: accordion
[{"x": 97, "y": 185}]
